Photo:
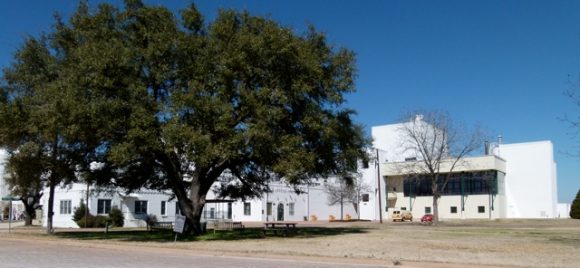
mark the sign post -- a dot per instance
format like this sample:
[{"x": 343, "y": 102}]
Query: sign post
[{"x": 179, "y": 225}]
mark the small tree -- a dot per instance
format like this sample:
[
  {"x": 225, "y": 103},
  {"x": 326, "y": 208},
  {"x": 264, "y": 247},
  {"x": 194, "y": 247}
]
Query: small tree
[
  {"x": 575, "y": 209},
  {"x": 344, "y": 190},
  {"x": 80, "y": 213},
  {"x": 439, "y": 147},
  {"x": 25, "y": 179}
]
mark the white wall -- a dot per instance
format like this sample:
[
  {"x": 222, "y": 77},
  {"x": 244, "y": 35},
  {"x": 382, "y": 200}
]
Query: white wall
[
  {"x": 563, "y": 210},
  {"x": 530, "y": 179},
  {"x": 77, "y": 193},
  {"x": 3, "y": 187}
]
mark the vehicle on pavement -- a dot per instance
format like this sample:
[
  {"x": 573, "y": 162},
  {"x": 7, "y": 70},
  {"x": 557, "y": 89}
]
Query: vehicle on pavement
[
  {"x": 427, "y": 218},
  {"x": 402, "y": 215}
]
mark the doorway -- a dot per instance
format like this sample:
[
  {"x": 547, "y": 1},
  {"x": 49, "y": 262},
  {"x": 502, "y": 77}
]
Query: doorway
[{"x": 280, "y": 212}]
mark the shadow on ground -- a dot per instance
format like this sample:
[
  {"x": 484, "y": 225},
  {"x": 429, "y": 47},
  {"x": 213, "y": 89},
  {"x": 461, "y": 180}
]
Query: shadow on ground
[{"x": 169, "y": 236}]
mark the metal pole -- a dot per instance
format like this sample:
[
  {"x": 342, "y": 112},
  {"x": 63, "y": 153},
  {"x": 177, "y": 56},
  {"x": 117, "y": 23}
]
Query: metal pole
[
  {"x": 379, "y": 186},
  {"x": 308, "y": 201},
  {"x": 10, "y": 216},
  {"x": 87, "y": 205}
]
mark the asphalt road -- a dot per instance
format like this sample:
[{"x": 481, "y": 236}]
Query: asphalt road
[{"x": 27, "y": 253}]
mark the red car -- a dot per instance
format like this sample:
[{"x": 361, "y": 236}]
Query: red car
[{"x": 427, "y": 218}]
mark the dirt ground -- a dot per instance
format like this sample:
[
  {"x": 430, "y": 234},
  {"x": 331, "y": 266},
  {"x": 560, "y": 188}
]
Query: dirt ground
[{"x": 519, "y": 243}]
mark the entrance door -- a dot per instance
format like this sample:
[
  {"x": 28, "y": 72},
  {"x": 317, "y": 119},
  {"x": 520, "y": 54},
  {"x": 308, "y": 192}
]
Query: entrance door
[{"x": 280, "y": 212}]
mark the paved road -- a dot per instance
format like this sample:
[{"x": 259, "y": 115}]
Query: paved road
[{"x": 25, "y": 253}]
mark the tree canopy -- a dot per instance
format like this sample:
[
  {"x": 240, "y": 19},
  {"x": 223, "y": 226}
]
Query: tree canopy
[{"x": 170, "y": 101}]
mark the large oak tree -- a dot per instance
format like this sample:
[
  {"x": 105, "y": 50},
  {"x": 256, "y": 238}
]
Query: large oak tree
[{"x": 177, "y": 103}]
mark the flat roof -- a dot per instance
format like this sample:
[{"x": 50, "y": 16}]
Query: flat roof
[{"x": 478, "y": 163}]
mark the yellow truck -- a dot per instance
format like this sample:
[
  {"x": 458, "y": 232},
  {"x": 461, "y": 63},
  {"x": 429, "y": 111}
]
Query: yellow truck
[{"x": 402, "y": 215}]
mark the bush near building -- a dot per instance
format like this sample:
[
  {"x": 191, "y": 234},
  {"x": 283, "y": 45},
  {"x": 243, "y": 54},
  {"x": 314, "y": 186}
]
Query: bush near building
[
  {"x": 79, "y": 213},
  {"x": 575, "y": 209},
  {"x": 116, "y": 217},
  {"x": 91, "y": 221}
]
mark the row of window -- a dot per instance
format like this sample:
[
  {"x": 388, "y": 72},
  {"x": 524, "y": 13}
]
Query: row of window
[
  {"x": 248, "y": 208},
  {"x": 104, "y": 207},
  {"x": 453, "y": 209},
  {"x": 464, "y": 183}
]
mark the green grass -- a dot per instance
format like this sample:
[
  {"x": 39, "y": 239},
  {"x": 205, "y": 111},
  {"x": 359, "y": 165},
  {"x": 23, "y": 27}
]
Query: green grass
[{"x": 168, "y": 236}]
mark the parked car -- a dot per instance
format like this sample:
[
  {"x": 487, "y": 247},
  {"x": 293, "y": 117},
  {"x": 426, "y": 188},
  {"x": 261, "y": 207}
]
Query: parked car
[
  {"x": 427, "y": 218},
  {"x": 402, "y": 215}
]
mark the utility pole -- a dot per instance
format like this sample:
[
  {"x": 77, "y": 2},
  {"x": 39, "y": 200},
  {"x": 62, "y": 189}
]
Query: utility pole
[
  {"x": 87, "y": 205},
  {"x": 379, "y": 186}
]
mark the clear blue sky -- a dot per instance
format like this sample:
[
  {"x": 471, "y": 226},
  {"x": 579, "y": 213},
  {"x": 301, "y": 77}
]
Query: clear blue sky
[{"x": 504, "y": 64}]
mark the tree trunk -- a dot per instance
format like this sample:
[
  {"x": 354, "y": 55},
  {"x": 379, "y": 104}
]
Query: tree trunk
[
  {"x": 29, "y": 213},
  {"x": 435, "y": 209},
  {"x": 197, "y": 197},
  {"x": 49, "y": 227}
]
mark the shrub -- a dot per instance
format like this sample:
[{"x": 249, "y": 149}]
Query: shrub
[
  {"x": 313, "y": 217},
  {"x": 116, "y": 217},
  {"x": 348, "y": 217},
  {"x": 150, "y": 219},
  {"x": 79, "y": 213},
  {"x": 93, "y": 221},
  {"x": 331, "y": 218},
  {"x": 100, "y": 221},
  {"x": 575, "y": 209}
]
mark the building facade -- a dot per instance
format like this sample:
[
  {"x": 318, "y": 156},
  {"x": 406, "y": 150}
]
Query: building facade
[{"x": 512, "y": 181}]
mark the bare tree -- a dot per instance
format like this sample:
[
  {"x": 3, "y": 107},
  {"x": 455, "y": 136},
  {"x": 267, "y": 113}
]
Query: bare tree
[
  {"x": 345, "y": 190},
  {"x": 574, "y": 121},
  {"x": 438, "y": 146}
]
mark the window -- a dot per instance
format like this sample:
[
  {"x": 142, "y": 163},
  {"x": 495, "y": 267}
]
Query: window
[
  {"x": 427, "y": 210},
  {"x": 163, "y": 208},
  {"x": 403, "y": 208},
  {"x": 291, "y": 209},
  {"x": 481, "y": 209},
  {"x": 177, "y": 210},
  {"x": 247, "y": 209},
  {"x": 65, "y": 206},
  {"x": 453, "y": 210},
  {"x": 410, "y": 159},
  {"x": 103, "y": 206},
  {"x": 269, "y": 208},
  {"x": 365, "y": 197},
  {"x": 140, "y": 207},
  {"x": 463, "y": 183}
]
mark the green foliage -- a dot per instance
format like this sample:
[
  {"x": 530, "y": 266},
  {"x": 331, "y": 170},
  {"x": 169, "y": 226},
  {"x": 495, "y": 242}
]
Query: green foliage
[
  {"x": 152, "y": 96},
  {"x": 575, "y": 209},
  {"x": 116, "y": 217},
  {"x": 92, "y": 221},
  {"x": 80, "y": 213}
]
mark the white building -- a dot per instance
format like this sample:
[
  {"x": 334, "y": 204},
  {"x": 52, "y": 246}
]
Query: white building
[
  {"x": 513, "y": 181},
  {"x": 283, "y": 204},
  {"x": 134, "y": 206},
  {"x": 16, "y": 207}
]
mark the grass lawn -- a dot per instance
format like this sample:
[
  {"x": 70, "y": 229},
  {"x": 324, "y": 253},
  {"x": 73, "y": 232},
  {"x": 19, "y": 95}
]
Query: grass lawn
[{"x": 169, "y": 236}]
